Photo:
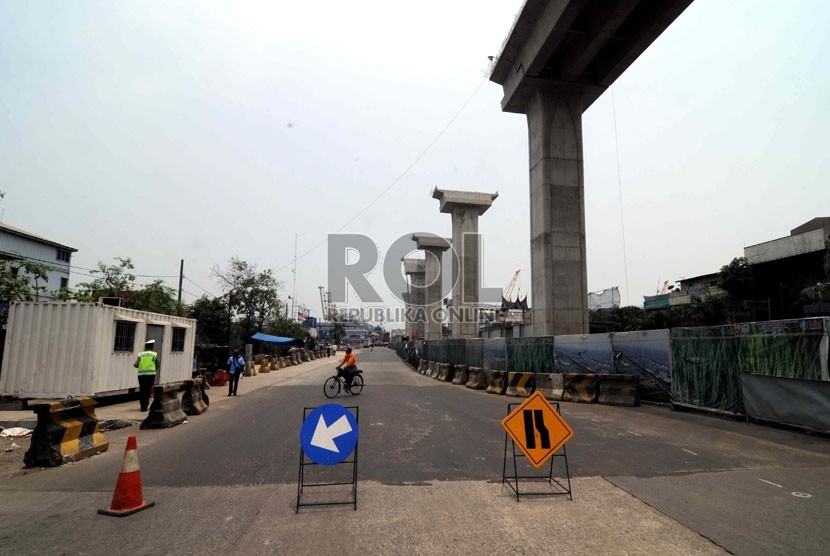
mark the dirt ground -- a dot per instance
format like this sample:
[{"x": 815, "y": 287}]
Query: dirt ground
[{"x": 11, "y": 457}]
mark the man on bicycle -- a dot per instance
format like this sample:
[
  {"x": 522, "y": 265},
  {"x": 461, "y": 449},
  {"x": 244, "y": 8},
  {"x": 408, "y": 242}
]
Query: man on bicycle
[{"x": 348, "y": 367}]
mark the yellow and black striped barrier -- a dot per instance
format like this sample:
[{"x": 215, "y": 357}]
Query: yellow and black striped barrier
[
  {"x": 459, "y": 374},
  {"x": 497, "y": 383},
  {"x": 165, "y": 410},
  {"x": 550, "y": 385},
  {"x": 519, "y": 384},
  {"x": 476, "y": 379},
  {"x": 66, "y": 431},
  {"x": 618, "y": 390},
  {"x": 580, "y": 388},
  {"x": 193, "y": 402}
]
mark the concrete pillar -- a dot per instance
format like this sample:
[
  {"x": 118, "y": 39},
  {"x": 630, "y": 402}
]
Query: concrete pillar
[
  {"x": 559, "y": 283},
  {"x": 434, "y": 247},
  {"x": 465, "y": 207},
  {"x": 415, "y": 270}
]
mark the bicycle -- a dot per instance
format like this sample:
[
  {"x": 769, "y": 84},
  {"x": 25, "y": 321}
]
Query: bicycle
[{"x": 334, "y": 384}]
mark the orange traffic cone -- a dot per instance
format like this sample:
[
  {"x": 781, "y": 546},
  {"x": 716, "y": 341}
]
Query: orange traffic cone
[{"x": 127, "y": 498}]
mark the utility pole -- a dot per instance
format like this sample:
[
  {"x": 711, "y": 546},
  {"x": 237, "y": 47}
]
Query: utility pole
[
  {"x": 181, "y": 277},
  {"x": 294, "y": 272}
]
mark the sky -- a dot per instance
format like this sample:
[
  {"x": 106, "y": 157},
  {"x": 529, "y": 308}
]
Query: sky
[{"x": 169, "y": 131}]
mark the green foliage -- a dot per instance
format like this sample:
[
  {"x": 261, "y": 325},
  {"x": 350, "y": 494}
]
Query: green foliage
[
  {"x": 110, "y": 281},
  {"x": 253, "y": 294},
  {"x": 28, "y": 285},
  {"x": 156, "y": 297},
  {"x": 211, "y": 315},
  {"x": 736, "y": 279}
]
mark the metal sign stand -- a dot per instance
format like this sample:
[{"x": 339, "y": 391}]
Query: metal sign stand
[
  {"x": 305, "y": 461},
  {"x": 556, "y": 487}
]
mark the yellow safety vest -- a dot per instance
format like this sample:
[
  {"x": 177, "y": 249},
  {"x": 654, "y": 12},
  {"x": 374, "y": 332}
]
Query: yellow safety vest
[{"x": 147, "y": 363}]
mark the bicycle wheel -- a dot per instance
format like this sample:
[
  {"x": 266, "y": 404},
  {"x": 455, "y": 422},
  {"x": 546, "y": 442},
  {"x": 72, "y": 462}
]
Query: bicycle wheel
[
  {"x": 331, "y": 387},
  {"x": 357, "y": 385}
]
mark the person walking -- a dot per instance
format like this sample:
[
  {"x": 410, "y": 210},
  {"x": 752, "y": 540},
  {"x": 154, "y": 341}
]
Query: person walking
[
  {"x": 236, "y": 366},
  {"x": 148, "y": 365}
]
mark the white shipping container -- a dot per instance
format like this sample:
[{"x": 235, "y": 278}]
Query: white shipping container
[{"x": 57, "y": 349}]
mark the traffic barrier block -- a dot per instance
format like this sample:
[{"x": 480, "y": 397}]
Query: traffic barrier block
[
  {"x": 520, "y": 384},
  {"x": 203, "y": 386},
  {"x": 433, "y": 369},
  {"x": 445, "y": 372},
  {"x": 422, "y": 366},
  {"x": 165, "y": 410},
  {"x": 550, "y": 385},
  {"x": 460, "y": 374},
  {"x": 263, "y": 365},
  {"x": 497, "y": 383},
  {"x": 192, "y": 402},
  {"x": 476, "y": 379},
  {"x": 618, "y": 390},
  {"x": 66, "y": 431},
  {"x": 581, "y": 388}
]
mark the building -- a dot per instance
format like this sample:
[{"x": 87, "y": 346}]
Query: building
[
  {"x": 782, "y": 268},
  {"x": 16, "y": 244}
]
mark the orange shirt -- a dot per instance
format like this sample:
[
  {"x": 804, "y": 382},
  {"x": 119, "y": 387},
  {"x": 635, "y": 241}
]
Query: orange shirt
[{"x": 348, "y": 360}]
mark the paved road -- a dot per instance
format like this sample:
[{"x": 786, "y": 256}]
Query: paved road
[{"x": 645, "y": 480}]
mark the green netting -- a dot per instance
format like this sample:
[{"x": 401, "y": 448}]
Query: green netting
[
  {"x": 474, "y": 353},
  {"x": 530, "y": 355},
  {"x": 704, "y": 372}
]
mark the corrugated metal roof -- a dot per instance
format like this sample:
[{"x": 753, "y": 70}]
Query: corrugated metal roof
[{"x": 23, "y": 233}]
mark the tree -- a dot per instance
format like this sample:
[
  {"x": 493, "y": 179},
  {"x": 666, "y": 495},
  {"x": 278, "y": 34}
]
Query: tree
[
  {"x": 253, "y": 295},
  {"x": 22, "y": 284},
  {"x": 110, "y": 281},
  {"x": 287, "y": 329},
  {"x": 211, "y": 315},
  {"x": 155, "y": 297},
  {"x": 736, "y": 279}
]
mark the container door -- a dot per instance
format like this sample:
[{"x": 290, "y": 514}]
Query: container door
[{"x": 156, "y": 332}]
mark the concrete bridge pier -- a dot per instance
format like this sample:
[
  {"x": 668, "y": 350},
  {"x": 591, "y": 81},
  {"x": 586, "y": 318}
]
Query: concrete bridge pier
[
  {"x": 434, "y": 248},
  {"x": 465, "y": 207},
  {"x": 415, "y": 270},
  {"x": 559, "y": 288}
]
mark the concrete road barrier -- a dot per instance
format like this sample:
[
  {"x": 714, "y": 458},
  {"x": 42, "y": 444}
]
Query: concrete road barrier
[
  {"x": 433, "y": 369},
  {"x": 445, "y": 372},
  {"x": 476, "y": 379},
  {"x": 497, "y": 383},
  {"x": 519, "y": 384},
  {"x": 66, "y": 431},
  {"x": 581, "y": 388},
  {"x": 550, "y": 385},
  {"x": 165, "y": 410},
  {"x": 460, "y": 375},
  {"x": 192, "y": 401},
  {"x": 618, "y": 390}
]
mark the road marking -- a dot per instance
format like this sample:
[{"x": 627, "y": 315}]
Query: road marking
[
  {"x": 691, "y": 452},
  {"x": 769, "y": 483},
  {"x": 802, "y": 495},
  {"x": 634, "y": 433}
]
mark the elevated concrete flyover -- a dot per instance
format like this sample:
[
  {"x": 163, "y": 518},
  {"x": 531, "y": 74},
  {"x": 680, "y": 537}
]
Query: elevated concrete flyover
[{"x": 559, "y": 58}]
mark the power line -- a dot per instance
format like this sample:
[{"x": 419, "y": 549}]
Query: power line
[
  {"x": 397, "y": 180},
  {"x": 619, "y": 186}
]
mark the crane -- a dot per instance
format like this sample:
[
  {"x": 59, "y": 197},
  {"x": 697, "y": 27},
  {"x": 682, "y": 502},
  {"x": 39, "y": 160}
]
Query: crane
[{"x": 508, "y": 291}]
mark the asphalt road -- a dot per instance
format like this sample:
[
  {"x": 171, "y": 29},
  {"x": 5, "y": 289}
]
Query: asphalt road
[{"x": 645, "y": 480}]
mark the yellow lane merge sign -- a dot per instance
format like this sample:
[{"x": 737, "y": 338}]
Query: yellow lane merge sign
[{"x": 537, "y": 429}]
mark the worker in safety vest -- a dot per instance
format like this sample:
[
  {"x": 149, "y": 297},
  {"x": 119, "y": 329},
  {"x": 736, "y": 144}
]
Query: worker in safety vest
[
  {"x": 348, "y": 366},
  {"x": 148, "y": 365}
]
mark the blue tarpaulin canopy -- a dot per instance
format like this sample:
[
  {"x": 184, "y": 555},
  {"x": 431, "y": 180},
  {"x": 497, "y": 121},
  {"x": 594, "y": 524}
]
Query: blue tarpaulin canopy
[{"x": 279, "y": 340}]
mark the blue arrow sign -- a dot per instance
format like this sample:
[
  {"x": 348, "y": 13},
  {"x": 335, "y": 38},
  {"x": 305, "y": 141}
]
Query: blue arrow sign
[{"x": 329, "y": 434}]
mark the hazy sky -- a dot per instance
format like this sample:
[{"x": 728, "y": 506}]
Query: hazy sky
[{"x": 200, "y": 131}]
